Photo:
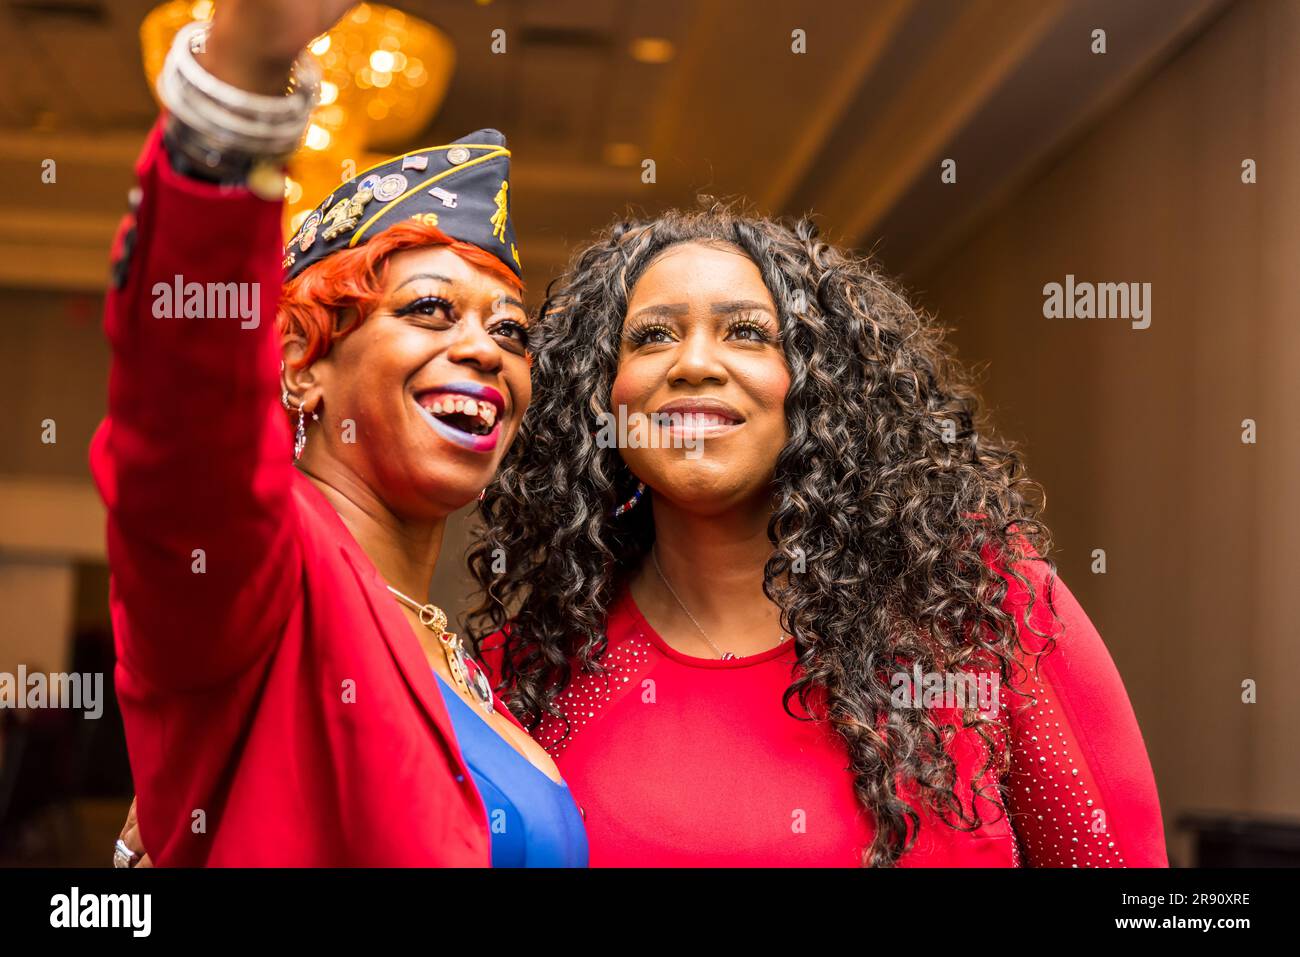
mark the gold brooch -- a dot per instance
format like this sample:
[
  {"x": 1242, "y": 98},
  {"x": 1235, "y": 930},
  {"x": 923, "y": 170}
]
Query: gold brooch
[{"x": 345, "y": 214}]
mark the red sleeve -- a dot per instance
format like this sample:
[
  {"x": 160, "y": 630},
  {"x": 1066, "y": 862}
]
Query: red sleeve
[
  {"x": 1081, "y": 791},
  {"x": 193, "y": 459}
]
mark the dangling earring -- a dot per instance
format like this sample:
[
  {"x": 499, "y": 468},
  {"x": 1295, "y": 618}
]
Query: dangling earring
[
  {"x": 631, "y": 503},
  {"x": 300, "y": 435}
]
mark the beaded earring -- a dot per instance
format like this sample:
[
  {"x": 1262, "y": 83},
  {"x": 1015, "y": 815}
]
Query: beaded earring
[{"x": 631, "y": 503}]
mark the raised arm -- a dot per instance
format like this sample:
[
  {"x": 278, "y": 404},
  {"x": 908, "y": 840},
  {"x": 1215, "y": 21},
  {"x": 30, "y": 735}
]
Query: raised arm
[
  {"x": 1081, "y": 791},
  {"x": 193, "y": 459}
]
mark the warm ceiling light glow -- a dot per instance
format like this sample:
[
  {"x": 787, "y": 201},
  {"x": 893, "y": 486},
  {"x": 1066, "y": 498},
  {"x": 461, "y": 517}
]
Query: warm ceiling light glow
[
  {"x": 384, "y": 76},
  {"x": 622, "y": 154},
  {"x": 652, "y": 50},
  {"x": 317, "y": 137}
]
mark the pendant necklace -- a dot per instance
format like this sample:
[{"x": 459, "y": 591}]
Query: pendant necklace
[{"x": 466, "y": 673}]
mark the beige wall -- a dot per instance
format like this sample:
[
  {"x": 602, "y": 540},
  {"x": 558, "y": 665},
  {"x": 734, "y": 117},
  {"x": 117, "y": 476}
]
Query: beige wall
[
  {"x": 53, "y": 367},
  {"x": 1136, "y": 434}
]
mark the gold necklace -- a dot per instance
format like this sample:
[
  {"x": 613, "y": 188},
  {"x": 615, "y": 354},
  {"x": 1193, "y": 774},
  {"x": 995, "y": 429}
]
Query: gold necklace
[
  {"x": 465, "y": 671},
  {"x": 724, "y": 655}
]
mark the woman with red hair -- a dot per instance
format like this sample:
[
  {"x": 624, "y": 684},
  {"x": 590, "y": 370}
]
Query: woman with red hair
[{"x": 289, "y": 696}]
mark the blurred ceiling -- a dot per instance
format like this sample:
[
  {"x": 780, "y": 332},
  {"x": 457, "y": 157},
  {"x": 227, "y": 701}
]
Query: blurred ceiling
[{"x": 854, "y": 129}]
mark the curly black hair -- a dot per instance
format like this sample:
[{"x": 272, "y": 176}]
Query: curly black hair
[{"x": 887, "y": 505}]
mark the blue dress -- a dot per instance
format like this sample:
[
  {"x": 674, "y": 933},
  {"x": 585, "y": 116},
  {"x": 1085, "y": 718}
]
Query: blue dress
[{"x": 533, "y": 821}]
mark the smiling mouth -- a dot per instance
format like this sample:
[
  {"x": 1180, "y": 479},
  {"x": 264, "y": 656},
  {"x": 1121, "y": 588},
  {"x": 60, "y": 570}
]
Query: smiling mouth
[
  {"x": 471, "y": 421},
  {"x": 697, "y": 423},
  {"x": 460, "y": 412}
]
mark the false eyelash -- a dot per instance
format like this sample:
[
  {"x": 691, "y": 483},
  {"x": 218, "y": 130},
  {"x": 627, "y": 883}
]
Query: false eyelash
[
  {"x": 745, "y": 322},
  {"x": 412, "y": 306},
  {"x": 641, "y": 334},
  {"x": 524, "y": 332}
]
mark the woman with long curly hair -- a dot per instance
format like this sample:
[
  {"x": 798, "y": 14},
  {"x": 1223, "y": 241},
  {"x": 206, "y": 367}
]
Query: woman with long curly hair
[{"x": 770, "y": 594}]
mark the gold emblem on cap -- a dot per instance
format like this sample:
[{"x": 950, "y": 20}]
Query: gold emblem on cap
[
  {"x": 499, "y": 217},
  {"x": 457, "y": 155},
  {"x": 344, "y": 215}
]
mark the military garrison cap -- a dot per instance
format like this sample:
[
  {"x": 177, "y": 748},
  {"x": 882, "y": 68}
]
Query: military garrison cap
[{"x": 463, "y": 188}]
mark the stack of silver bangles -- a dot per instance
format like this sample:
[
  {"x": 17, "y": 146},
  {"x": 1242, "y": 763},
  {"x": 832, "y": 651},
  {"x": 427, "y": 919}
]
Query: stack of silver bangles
[{"x": 222, "y": 129}]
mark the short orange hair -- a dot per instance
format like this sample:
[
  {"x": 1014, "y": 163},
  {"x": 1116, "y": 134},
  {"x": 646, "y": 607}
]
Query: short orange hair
[{"x": 354, "y": 278}]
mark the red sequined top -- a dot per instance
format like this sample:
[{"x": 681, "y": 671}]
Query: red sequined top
[{"x": 681, "y": 761}]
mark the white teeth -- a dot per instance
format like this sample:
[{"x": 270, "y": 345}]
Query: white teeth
[
  {"x": 482, "y": 410},
  {"x": 703, "y": 420}
]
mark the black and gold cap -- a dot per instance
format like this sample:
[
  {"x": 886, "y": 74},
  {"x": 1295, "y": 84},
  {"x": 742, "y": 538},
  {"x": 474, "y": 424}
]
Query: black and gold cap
[{"x": 462, "y": 188}]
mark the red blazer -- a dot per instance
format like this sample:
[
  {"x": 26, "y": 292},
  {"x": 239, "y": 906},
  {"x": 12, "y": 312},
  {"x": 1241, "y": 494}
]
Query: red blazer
[{"x": 278, "y": 708}]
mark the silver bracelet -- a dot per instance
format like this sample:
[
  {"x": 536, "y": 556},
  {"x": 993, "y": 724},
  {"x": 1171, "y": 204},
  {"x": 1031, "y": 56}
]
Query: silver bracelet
[
  {"x": 303, "y": 81},
  {"x": 223, "y": 129},
  {"x": 223, "y": 113}
]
